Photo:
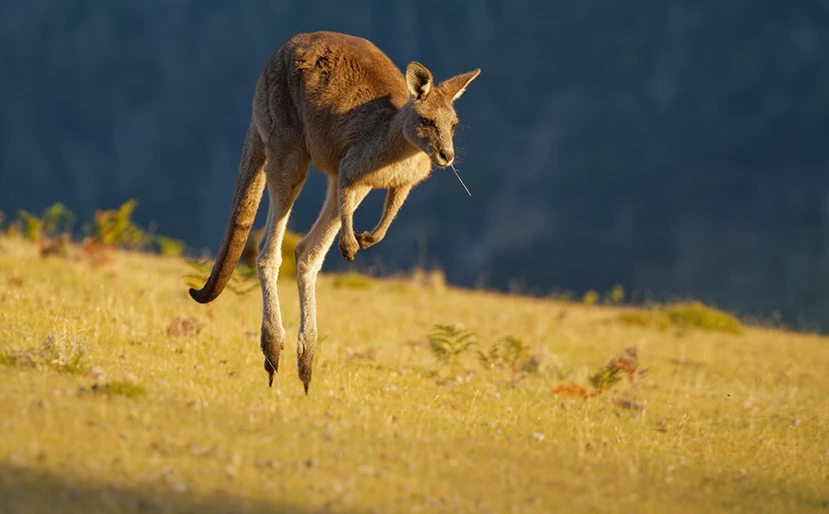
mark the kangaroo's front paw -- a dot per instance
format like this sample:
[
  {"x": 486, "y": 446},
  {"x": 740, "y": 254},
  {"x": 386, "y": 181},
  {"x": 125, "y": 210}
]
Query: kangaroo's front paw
[
  {"x": 348, "y": 247},
  {"x": 365, "y": 239}
]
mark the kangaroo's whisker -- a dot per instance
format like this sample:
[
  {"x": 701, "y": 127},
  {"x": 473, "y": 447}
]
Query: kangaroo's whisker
[{"x": 460, "y": 180}]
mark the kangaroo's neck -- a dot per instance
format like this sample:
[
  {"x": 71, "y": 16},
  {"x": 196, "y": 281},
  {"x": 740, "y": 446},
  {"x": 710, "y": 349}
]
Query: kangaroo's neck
[{"x": 396, "y": 146}]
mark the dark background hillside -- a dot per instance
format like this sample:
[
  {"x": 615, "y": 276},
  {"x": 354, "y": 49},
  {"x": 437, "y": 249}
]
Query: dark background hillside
[{"x": 675, "y": 147}]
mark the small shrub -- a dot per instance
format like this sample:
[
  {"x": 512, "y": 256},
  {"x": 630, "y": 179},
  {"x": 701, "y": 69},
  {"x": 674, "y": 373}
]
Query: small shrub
[
  {"x": 116, "y": 228},
  {"x": 31, "y": 225},
  {"x": 509, "y": 353},
  {"x": 617, "y": 294},
  {"x": 449, "y": 342},
  {"x": 626, "y": 363},
  {"x": 353, "y": 280},
  {"x": 590, "y": 297},
  {"x": 58, "y": 219},
  {"x": 696, "y": 314}
]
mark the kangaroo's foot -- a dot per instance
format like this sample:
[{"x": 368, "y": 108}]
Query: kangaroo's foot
[
  {"x": 271, "y": 345},
  {"x": 348, "y": 246},
  {"x": 305, "y": 358}
]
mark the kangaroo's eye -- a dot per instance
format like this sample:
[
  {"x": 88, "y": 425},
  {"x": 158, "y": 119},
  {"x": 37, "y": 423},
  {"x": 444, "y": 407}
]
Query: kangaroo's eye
[
  {"x": 427, "y": 122},
  {"x": 454, "y": 126}
]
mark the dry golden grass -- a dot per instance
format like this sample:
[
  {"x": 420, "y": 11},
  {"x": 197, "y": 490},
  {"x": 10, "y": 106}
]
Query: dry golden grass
[{"x": 183, "y": 422}]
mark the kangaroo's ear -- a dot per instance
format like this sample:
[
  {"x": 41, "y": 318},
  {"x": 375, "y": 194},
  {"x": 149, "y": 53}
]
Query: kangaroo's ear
[
  {"x": 419, "y": 80},
  {"x": 455, "y": 86}
]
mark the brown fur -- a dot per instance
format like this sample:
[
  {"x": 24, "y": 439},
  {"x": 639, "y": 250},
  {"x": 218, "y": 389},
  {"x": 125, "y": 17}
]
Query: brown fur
[{"x": 340, "y": 103}]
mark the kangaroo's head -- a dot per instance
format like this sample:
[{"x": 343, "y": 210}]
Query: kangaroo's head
[{"x": 430, "y": 119}]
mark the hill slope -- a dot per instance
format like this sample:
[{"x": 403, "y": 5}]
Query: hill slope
[
  {"x": 150, "y": 421},
  {"x": 688, "y": 139}
]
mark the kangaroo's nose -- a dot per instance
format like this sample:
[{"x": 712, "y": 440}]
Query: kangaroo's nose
[{"x": 447, "y": 156}]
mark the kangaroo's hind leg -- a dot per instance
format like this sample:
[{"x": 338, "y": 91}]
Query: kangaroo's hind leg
[
  {"x": 286, "y": 171},
  {"x": 310, "y": 254}
]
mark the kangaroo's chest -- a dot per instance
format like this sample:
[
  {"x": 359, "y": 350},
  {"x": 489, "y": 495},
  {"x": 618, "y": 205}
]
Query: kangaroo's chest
[{"x": 409, "y": 171}]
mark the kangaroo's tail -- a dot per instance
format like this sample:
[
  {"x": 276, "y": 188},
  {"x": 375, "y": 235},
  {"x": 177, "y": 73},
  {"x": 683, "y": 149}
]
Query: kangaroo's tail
[{"x": 249, "y": 188}]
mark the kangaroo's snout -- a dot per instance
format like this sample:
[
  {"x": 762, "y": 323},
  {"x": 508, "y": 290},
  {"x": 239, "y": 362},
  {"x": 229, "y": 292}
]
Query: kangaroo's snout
[{"x": 445, "y": 157}]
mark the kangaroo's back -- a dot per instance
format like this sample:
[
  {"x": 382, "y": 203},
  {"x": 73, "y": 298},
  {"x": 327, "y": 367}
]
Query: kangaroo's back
[{"x": 341, "y": 88}]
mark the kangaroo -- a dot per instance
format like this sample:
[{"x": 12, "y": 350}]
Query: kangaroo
[{"x": 339, "y": 102}]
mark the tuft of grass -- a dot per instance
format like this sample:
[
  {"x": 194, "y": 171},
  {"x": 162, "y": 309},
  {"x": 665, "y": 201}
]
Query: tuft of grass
[
  {"x": 695, "y": 314},
  {"x": 59, "y": 354},
  {"x": 123, "y": 388},
  {"x": 692, "y": 314},
  {"x": 646, "y": 319},
  {"x": 353, "y": 280}
]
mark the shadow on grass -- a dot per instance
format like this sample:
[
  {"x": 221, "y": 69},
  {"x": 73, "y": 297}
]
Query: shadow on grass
[{"x": 28, "y": 491}]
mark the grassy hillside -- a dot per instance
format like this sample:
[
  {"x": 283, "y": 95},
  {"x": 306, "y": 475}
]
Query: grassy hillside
[{"x": 111, "y": 402}]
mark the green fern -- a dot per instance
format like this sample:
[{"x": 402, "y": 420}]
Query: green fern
[
  {"x": 605, "y": 379},
  {"x": 242, "y": 281},
  {"x": 200, "y": 273},
  {"x": 449, "y": 342},
  {"x": 509, "y": 353}
]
